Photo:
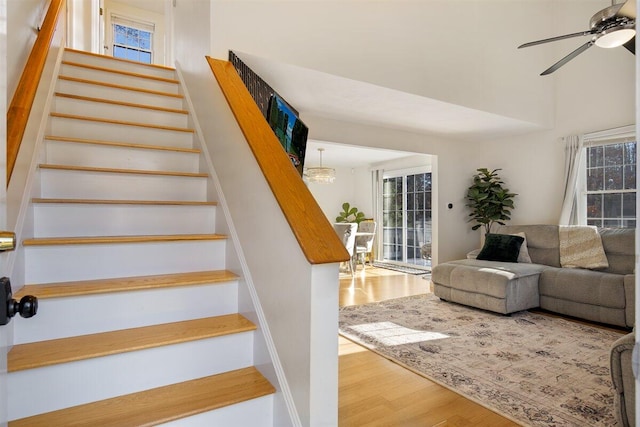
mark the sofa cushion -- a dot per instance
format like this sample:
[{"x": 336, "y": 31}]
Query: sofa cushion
[
  {"x": 487, "y": 277},
  {"x": 583, "y": 286},
  {"x": 619, "y": 245},
  {"x": 502, "y": 287},
  {"x": 543, "y": 242},
  {"x": 501, "y": 247}
]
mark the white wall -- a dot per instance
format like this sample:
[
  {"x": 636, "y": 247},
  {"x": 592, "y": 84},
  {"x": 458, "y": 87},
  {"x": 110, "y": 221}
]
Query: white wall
[
  {"x": 5, "y": 334},
  {"x": 23, "y": 19},
  {"x": 80, "y": 22},
  {"x": 330, "y": 197}
]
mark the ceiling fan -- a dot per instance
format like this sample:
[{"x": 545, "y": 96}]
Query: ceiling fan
[{"x": 613, "y": 26}]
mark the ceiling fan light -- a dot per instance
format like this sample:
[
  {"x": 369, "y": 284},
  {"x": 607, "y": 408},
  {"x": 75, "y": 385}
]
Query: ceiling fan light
[{"x": 615, "y": 37}]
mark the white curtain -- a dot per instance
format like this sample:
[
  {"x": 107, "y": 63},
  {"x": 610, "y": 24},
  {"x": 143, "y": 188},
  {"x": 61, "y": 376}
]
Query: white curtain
[
  {"x": 376, "y": 197},
  {"x": 572, "y": 152}
]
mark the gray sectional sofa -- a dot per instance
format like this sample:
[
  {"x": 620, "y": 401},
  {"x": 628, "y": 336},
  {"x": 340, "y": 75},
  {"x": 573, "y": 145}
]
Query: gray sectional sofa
[{"x": 605, "y": 295}]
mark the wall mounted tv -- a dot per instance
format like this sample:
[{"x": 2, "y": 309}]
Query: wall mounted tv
[{"x": 289, "y": 129}]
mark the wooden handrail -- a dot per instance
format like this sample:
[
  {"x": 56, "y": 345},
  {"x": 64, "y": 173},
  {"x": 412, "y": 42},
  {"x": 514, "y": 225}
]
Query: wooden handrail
[
  {"x": 22, "y": 101},
  {"x": 316, "y": 237}
]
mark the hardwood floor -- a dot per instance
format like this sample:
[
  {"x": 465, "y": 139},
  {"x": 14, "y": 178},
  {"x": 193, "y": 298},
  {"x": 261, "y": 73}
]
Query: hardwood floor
[{"x": 374, "y": 391}]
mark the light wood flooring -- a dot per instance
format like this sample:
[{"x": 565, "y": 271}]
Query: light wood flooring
[{"x": 374, "y": 391}]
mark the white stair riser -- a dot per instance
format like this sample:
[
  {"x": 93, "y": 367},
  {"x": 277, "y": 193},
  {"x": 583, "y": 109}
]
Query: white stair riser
[
  {"x": 106, "y": 156},
  {"x": 59, "y": 317},
  {"x": 107, "y": 62},
  {"x": 119, "y": 79},
  {"x": 50, "y": 388},
  {"x": 104, "y": 110},
  {"x": 60, "y": 263},
  {"x": 59, "y": 220},
  {"x": 120, "y": 186},
  {"x": 75, "y": 128},
  {"x": 254, "y": 413},
  {"x": 115, "y": 94}
]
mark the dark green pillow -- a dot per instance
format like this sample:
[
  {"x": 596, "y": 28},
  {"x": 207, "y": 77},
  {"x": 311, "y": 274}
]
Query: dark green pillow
[{"x": 501, "y": 247}]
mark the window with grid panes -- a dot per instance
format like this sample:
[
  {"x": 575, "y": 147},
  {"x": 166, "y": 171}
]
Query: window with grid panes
[
  {"x": 611, "y": 184},
  {"x": 132, "y": 40}
]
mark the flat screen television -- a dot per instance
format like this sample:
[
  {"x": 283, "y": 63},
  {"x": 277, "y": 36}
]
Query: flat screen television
[{"x": 289, "y": 130}]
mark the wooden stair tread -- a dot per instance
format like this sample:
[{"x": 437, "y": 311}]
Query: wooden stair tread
[
  {"x": 65, "y": 350},
  {"x": 121, "y": 144},
  {"x": 111, "y": 58},
  {"x": 123, "y": 284},
  {"x": 129, "y": 171},
  {"x": 120, "y": 122},
  {"x": 160, "y": 405},
  {"x": 121, "y": 72},
  {"x": 116, "y": 86},
  {"x": 121, "y": 103},
  {"x": 124, "y": 202},
  {"x": 89, "y": 240}
]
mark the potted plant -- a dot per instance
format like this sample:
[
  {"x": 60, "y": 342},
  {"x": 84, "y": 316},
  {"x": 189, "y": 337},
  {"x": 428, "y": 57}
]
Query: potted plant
[
  {"x": 350, "y": 214},
  {"x": 489, "y": 201}
]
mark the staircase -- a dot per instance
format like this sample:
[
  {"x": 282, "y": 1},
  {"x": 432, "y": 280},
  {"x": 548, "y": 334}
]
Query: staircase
[{"x": 138, "y": 321}]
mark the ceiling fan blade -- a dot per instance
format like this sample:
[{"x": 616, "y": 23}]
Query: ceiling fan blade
[
  {"x": 631, "y": 45},
  {"x": 628, "y": 9},
  {"x": 553, "y": 39},
  {"x": 568, "y": 58}
]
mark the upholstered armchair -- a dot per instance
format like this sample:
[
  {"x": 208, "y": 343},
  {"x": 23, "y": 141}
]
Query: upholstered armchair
[{"x": 624, "y": 383}]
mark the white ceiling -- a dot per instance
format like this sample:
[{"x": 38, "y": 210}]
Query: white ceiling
[
  {"x": 317, "y": 93},
  {"x": 156, "y": 6},
  {"x": 341, "y": 155}
]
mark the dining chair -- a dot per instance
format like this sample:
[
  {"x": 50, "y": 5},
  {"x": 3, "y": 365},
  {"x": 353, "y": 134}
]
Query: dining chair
[
  {"x": 347, "y": 233},
  {"x": 364, "y": 241}
]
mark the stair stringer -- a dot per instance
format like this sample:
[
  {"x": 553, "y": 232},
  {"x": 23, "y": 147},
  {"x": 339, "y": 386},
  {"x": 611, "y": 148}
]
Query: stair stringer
[
  {"x": 25, "y": 178},
  {"x": 265, "y": 352}
]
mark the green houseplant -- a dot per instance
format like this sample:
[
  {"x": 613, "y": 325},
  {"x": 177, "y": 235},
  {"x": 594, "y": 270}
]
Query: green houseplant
[
  {"x": 350, "y": 214},
  {"x": 489, "y": 201}
]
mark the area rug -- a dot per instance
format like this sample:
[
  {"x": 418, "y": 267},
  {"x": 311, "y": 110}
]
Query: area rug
[
  {"x": 400, "y": 268},
  {"x": 535, "y": 369}
]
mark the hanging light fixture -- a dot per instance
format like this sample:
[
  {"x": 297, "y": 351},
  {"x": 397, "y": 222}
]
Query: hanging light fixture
[{"x": 320, "y": 175}]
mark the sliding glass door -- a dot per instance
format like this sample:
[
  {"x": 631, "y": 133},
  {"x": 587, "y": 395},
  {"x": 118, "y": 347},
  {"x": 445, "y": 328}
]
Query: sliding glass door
[{"x": 406, "y": 217}]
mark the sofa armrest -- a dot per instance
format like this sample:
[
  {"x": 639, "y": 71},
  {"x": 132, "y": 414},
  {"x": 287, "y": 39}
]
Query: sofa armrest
[
  {"x": 624, "y": 384},
  {"x": 630, "y": 299}
]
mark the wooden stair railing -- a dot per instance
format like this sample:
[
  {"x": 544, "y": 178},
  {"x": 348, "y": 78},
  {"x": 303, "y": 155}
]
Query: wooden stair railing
[
  {"x": 316, "y": 237},
  {"x": 22, "y": 101}
]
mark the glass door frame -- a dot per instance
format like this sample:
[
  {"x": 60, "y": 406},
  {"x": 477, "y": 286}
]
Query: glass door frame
[{"x": 403, "y": 173}]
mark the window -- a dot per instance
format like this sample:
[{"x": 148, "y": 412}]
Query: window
[
  {"x": 406, "y": 214},
  {"x": 132, "y": 40},
  {"x": 609, "y": 180}
]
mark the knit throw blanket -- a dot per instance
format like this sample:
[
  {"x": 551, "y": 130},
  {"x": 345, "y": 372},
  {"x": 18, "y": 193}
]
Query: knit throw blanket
[{"x": 581, "y": 247}]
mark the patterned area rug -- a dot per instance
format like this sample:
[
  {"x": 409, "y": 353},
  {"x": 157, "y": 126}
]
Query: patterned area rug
[{"x": 535, "y": 369}]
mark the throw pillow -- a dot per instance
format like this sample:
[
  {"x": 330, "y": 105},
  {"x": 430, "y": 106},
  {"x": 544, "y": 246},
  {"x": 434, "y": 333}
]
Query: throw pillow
[
  {"x": 523, "y": 256},
  {"x": 501, "y": 247}
]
